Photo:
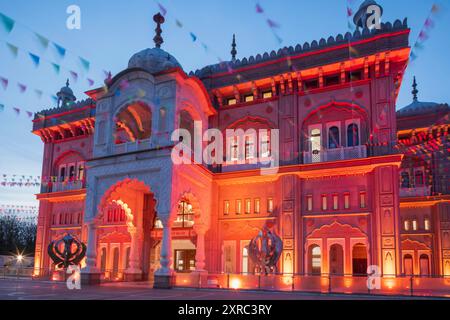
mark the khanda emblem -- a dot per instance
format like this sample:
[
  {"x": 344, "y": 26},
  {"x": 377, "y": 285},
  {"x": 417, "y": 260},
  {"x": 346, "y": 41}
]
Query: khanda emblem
[
  {"x": 67, "y": 251},
  {"x": 265, "y": 251}
]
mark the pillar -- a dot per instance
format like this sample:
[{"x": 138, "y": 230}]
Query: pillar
[
  {"x": 164, "y": 276},
  {"x": 134, "y": 272},
  {"x": 200, "y": 230},
  {"x": 91, "y": 274}
]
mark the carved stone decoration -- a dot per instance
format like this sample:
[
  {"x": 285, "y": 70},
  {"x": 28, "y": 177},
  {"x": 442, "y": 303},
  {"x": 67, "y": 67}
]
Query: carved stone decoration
[
  {"x": 67, "y": 251},
  {"x": 265, "y": 251}
]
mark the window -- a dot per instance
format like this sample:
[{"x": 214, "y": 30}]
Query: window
[
  {"x": 71, "y": 172},
  {"x": 335, "y": 202},
  {"x": 245, "y": 259},
  {"x": 249, "y": 148},
  {"x": 226, "y": 207},
  {"x": 234, "y": 146},
  {"x": 231, "y": 101},
  {"x": 362, "y": 200},
  {"x": 270, "y": 205},
  {"x": 324, "y": 202},
  {"x": 249, "y": 98},
  {"x": 311, "y": 84},
  {"x": 309, "y": 201},
  {"x": 427, "y": 224},
  {"x": 248, "y": 206},
  {"x": 418, "y": 178},
  {"x": 316, "y": 144},
  {"x": 185, "y": 216},
  {"x": 316, "y": 260},
  {"x": 405, "y": 180},
  {"x": 267, "y": 94},
  {"x": 238, "y": 206},
  {"x": 414, "y": 225},
  {"x": 257, "y": 206},
  {"x": 332, "y": 80},
  {"x": 333, "y": 138},
  {"x": 352, "y": 135},
  {"x": 62, "y": 173},
  {"x": 80, "y": 172},
  {"x": 265, "y": 144},
  {"x": 406, "y": 225},
  {"x": 347, "y": 201}
]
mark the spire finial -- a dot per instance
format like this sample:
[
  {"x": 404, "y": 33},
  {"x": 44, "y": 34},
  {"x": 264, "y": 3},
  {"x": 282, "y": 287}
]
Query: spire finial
[
  {"x": 67, "y": 82},
  {"x": 159, "y": 19},
  {"x": 415, "y": 91},
  {"x": 233, "y": 48}
]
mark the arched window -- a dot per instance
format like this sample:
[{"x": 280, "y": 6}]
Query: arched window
[
  {"x": 333, "y": 138},
  {"x": 133, "y": 123},
  {"x": 418, "y": 178},
  {"x": 315, "y": 260},
  {"x": 427, "y": 223},
  {"x": 405, "y": 180},
  {"x": 352, "y": 135},
  {"x": 185, "y": 216}
]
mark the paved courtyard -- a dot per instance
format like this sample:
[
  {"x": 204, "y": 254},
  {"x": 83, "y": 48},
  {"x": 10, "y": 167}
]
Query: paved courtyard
[{"x": 26, "y": 289}]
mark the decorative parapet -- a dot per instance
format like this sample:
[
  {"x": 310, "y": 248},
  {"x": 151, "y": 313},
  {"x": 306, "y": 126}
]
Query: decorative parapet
[{"x": 287, "y": 52}]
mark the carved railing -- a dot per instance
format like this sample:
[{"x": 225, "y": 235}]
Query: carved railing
[{"x": 327, "y": 155}]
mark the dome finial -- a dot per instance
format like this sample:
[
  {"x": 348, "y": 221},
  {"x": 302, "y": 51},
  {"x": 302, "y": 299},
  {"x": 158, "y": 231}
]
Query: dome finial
[
  {"x": 415, "y": 91},
  {"x": 67, "y": 83},
  {"x": 159, "y": 19},
  {"x": 233, "y": 48}
]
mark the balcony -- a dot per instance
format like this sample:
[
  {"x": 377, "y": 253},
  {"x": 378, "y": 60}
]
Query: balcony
[
  {"x": 424, "y": 191},
  {"x": 327, "y": 155},
  {"x": 67, "y": 186}
]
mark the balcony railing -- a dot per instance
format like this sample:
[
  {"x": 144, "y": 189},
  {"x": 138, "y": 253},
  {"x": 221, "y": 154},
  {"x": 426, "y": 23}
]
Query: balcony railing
[
  {"x": 343, "y": 153},
  {"x": 415, "y": 192},
  {"x": 132, "y": 146}
]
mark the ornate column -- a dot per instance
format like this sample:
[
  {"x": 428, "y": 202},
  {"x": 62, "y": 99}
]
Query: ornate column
[
  {"x": 200, "y": 230},
  {"x": 134, "y": 272},
  {"x": 91, "y": 274},
  {"x": 164, "y": 276}
]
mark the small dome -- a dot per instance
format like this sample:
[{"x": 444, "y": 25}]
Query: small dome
[{"x": 153, "y": 60}]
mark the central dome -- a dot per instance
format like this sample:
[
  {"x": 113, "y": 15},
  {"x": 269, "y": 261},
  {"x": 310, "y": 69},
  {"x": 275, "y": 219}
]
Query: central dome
[{"x": 153, "y": 60}]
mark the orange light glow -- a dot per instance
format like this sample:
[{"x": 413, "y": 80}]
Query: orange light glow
[
  {"x": 390, "y": 283},
  {"x": 287, "y": 280},
  {"x": 235, "y": 284}
]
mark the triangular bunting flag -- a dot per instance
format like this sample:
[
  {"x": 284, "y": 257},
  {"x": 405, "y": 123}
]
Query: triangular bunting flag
[
  {"x": 38, "y": 93},
  {"x": 2, "y": 107},
  {"x": 43, "y": 41},
  {"x": 29, "y": 114},
  {"x": 193, "y": 36},
  {"x": 91, "y": 82},
  {"x": 4, "y": 82},
  {"x": 259, "y": 9},
  {"x": 85, "y": 63},
  {"x": 17, "y": 111},
  {"x": 179, "y": 24},
  {"x": 272, "y": 24},
  {"x": 60, "y": 50},
  {"x": 36, "y": 60},
  {"x": 56, "y": 68},
  {"x": 22, "y": 87},
  {"x": 13, "y": 49},
  {"x": 7, "y": 23},
  {"x": 74, "y": 75},
  {"x": 163, "y": 10}
]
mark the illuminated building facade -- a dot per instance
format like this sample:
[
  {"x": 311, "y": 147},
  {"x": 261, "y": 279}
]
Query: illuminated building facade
[{"x": 353, "y": 188}]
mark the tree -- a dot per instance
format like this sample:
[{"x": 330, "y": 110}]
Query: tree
[{"x": 17, "y": 236}]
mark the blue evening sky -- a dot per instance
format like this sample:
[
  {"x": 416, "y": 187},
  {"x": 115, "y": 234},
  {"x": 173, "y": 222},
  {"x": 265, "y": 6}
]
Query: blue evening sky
[{"x": 112, "y": 31}]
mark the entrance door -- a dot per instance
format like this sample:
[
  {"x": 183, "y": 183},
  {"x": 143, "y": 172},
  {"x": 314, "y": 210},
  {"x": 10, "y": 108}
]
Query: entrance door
[
  {"x": 359, "y": 260},
  {"x": 184, "y": 260},
  {"x": 336, "y": 260},
  {"x": 408, "y": 265}
]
